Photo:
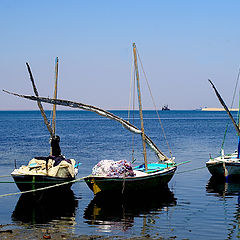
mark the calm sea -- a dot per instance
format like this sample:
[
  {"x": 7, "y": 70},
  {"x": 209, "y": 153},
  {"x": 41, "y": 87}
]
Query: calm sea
[{"x": 194, "y": 207}]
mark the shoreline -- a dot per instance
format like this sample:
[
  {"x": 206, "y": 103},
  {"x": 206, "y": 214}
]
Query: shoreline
[
  {"x": 14, "y": 232},
  {"x": 218, "y": 109}
]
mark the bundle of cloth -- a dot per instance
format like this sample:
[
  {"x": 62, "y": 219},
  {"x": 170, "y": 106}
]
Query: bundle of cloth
[
  {"x": 111, "y": 168},
  {"x": 56, "y": 167}
]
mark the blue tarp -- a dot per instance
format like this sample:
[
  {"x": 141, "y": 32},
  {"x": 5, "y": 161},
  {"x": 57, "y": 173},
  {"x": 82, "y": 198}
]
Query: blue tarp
[{"x": 152, "y": 167}]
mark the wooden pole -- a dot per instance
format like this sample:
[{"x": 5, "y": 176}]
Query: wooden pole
[
  {"x": 55, "y": 97},
  {"x": 39, "y": 103},
  {"x": 140, "y": 107},
  {"x": 238, "y": 155},
  {"x": 98, "y": 111},
  {"x": 226, "y": 108}
]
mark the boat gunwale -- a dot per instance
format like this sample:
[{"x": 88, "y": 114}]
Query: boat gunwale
[
  {"x": 147, "y": 176},
  {"x": 41, "y": 175},
  {"x": 228, "y": 163}
]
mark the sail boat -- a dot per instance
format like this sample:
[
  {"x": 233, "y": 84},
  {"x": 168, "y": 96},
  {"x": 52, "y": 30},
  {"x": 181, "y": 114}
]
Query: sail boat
[
  {"x": 146, "y": 177},
  {"x": 226, "y": 165},
  {"x": 53, "y": 169}
]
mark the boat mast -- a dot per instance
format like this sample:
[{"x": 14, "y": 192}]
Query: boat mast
[
  {"x": 55, "y": 97},
  {"x": 54, "y": 105},
  {"x": 239, "y": 129},
  {"x": 98, "y": 111},
  {"x": 236, "y": 126},
  {"x": 226, "y": 108},
  {"x": 140, "y": 106},
  {"x": 39, "y": 103}
]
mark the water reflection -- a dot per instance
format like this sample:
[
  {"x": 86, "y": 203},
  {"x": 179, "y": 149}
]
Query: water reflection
[
  {"x": 223, "y": 188},
  {"x": 115, "y": 212},
  {"x": 47, "y": 206}
]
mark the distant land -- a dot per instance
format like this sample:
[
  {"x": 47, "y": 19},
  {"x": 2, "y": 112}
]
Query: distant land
[{"x": 218, "y": 109}]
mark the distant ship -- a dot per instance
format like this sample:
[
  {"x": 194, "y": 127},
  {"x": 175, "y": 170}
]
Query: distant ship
[{"x": 165, "y": 108}]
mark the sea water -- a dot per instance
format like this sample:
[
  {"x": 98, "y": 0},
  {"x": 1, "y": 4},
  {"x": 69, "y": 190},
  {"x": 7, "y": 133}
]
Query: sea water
[{"x": 194, "y": 207}]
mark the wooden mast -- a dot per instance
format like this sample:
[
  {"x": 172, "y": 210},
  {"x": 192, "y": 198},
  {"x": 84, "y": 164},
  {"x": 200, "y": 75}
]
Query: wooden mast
[
  {"x": 55, "y": 97},
  {"x": 54, "y": 105},
  {"x": 39, "y": 103},
  {"x": 226, "y": 108},
  {"x": 98, "y": 111},
  {"x": 239, "y": 129},
  {"x": 140, "y": 106}
]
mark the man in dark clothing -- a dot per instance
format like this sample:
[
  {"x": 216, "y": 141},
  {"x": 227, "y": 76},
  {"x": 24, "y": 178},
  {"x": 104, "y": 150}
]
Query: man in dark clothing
[{"x": 56, "y": 150}]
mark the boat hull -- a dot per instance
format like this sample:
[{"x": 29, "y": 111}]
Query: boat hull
[
  {"x": 151, "y": 181},
  {"x": 32, "y": 182},
  {"x": 224, "y": 168}
]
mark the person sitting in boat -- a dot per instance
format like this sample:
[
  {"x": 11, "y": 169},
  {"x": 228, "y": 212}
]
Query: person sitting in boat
[{"x": 56, "y": 151}]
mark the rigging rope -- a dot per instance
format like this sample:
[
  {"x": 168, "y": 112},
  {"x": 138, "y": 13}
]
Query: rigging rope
[
  {"x": 234, "y": 93},
  {"x": 129, "y": 102},
  {"x": 134, "y": 81},
  {"x": 164, "y": 134}
]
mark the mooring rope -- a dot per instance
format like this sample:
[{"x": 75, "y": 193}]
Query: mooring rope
[
  {"x": 5, "y": 176},
  {"x": 7, "y": 182},
  {"x": 191, "y": 170},
  {"x": 73, "y": 181},
  {"x": 41, "y": 189}
]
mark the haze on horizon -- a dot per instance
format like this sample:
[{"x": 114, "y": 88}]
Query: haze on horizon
[{"x": 182, "y": 44}]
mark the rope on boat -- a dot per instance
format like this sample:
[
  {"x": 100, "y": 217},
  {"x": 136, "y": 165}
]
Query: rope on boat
[
  {"x": 41, "y": 189},
  {"x": 159, "y": 119},
  {"x": 5, "y": 176}
]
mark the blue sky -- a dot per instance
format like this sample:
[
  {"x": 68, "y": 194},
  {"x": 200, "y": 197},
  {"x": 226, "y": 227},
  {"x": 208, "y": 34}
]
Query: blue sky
[{"x": 181, "y": 44}]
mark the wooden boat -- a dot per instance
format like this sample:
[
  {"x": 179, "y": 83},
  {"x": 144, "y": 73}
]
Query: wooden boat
[
  {"x": 148, "y": 176},
  {"x": 226, "y": 165},
  {"x": 143, "y": 181},
  {"x": 46, "y": 171}
]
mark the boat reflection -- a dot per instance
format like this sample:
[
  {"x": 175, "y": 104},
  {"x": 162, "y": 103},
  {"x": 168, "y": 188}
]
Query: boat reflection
[
  {"x": 45, "y": 207},
  {"x": 223, "y": 188},
  {"x": 226, "y": 191},
  {"x": 117, "y": 212}
]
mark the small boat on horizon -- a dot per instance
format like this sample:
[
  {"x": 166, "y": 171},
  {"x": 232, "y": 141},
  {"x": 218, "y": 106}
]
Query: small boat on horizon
[{"x": 165, "y": 108}]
